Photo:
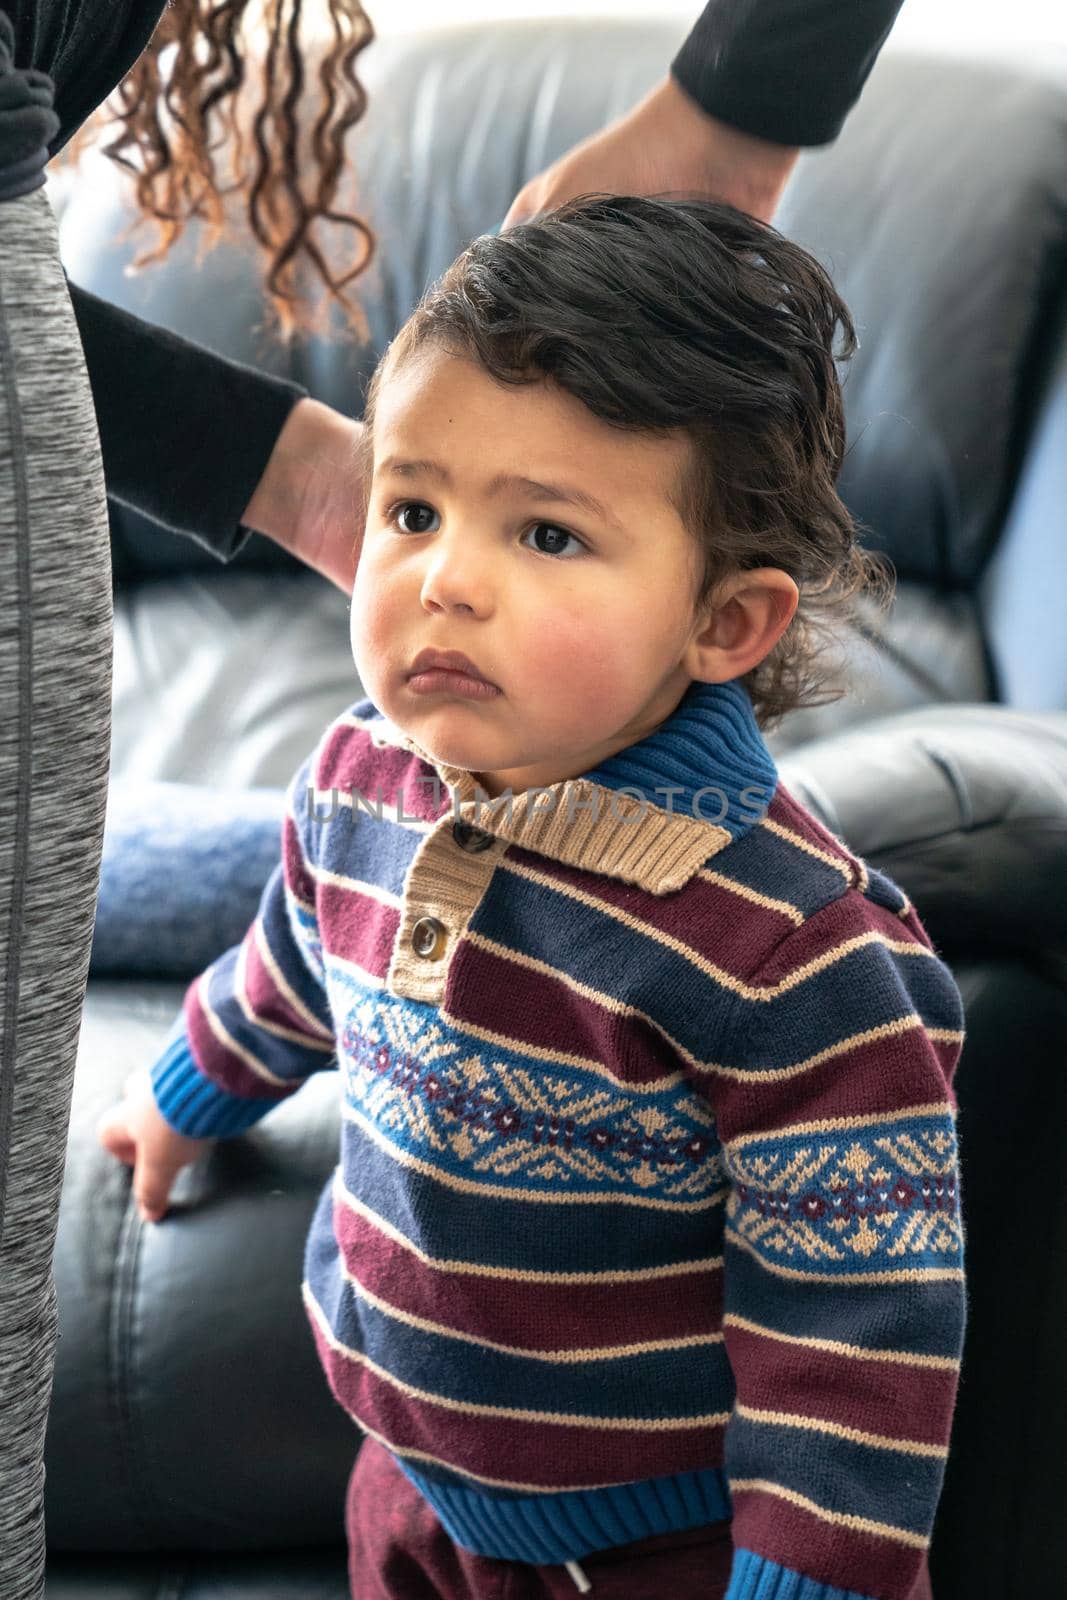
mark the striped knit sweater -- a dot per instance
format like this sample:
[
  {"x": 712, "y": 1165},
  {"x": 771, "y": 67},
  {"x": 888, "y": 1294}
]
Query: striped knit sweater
[{"x": 647, "y": 1207}]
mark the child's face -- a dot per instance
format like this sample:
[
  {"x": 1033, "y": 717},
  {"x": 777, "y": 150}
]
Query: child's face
[{"x": 579, "y": 611}]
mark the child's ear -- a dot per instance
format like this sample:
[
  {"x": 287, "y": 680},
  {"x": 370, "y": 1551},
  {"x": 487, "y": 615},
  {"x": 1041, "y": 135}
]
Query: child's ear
[{"x": 748, "y": 615}]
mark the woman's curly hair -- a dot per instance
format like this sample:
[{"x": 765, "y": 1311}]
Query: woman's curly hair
[
  {"x": 688, "y": 315},
  {"x": 175, "y": 115}
]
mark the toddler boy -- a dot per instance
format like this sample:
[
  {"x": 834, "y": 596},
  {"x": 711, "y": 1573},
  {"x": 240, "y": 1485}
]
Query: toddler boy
[{"x": 642, "y": 1265}]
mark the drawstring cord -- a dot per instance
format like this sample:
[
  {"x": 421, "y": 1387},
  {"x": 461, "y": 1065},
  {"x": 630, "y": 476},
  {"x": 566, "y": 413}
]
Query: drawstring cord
[{"x": 581, "y": 1582}]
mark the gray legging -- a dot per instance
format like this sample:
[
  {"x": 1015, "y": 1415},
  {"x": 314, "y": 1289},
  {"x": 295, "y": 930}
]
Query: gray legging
[{"x": 55, "y": 723}]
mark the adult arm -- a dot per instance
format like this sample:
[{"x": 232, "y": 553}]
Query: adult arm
[
  {"x": 785, "y": 70},
  {"x": 214, "y": 449},
  {"x": 754, "y": 81}
]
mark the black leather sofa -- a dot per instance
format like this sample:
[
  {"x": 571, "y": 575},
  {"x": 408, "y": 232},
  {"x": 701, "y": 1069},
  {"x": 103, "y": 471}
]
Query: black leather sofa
[{"x": 193, "y": 1451}]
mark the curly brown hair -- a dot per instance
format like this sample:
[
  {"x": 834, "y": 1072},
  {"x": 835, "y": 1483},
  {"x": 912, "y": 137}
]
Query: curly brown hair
[
  {"x": 669, "y": 315},
  {"x": 174, "y": 117}
]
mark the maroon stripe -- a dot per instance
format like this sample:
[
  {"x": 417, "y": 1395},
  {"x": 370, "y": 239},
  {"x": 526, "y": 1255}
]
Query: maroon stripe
[
  {"x": 845, "y": 919},
  {"x": 219, "y": 1063},
  {"x": 842, "y": 1557},
  {"x": 705, "y": 917},
  {"x": 383, "y": 775},
  {"x": 263, "y": 993},
  {"x": 357, "y": 927},
  {"x": 542, "y": 1316},
  {"x": 877, "y": 1078},
  {"x": 538, "y": 1010},
  {"x": 911, "y": 921},
  {"x": 296, "y": 874},
  {"x": 889, "y": 1398},
  {"x": 508, "y": 1449}
]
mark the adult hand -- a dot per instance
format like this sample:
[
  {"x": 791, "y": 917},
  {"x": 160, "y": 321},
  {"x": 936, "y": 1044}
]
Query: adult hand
[
  {"x": 310, "y": 497},
  {"x": 665, "y": 145}
]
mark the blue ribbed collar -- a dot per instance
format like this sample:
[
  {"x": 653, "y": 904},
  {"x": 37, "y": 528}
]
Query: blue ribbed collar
[
  {"x": 651, "y": 814},
  {"x": 711, "y": 742}
]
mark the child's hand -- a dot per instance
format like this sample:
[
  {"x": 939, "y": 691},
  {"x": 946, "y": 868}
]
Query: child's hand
[{"x": 138, "y": 1134}]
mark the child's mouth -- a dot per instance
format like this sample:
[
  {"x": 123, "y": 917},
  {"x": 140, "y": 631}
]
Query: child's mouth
[{"x": 444, "y": 680}]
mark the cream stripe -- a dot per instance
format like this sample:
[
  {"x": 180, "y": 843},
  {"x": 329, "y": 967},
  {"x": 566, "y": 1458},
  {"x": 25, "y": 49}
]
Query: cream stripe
[
  {"x": 835, "y": 1347},
  {"x": 305, "y": 905},
  {"x": 558, "y": 1357},
  {"x": 324, "y": 1038},
  {"x": 508, "y": 1274},
  {"x": 936, "y": 1108},
  {"x": 226, "y": 1039},
  {"x": 352, "y": 969},
  {"x": 468, "y": 1408},
  {"x": 886, "y": 1030},
  {"x": 501, "y": 1191},
  {"x": 877, "y": 1441},
  {"x": 767, "y": 901},
  {"x": 913, "y": 1275},
  {"x": 798, "y": 841},
  {"x": 373, "y": 891},
  {"x": 829, "y": 958},
  {"x": 840, "y": 1519}
]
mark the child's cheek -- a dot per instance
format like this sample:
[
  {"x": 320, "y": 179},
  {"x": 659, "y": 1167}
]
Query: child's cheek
[
  {"x": 369, "y": 625},
  {"x": 575, "y": 656}
]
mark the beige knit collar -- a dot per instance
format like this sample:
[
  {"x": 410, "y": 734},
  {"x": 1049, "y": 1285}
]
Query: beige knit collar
[{"x": 712, "y": 742}]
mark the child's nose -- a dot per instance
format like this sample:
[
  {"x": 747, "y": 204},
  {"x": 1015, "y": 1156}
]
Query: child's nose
[{"x": 457, "y": 577}]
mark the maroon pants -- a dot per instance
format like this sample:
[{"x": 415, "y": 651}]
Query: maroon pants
[{"x": 398, "y": 1550}]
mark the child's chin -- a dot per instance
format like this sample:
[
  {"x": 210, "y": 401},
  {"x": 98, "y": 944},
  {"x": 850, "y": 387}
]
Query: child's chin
[{"x": 448, "y": 745}]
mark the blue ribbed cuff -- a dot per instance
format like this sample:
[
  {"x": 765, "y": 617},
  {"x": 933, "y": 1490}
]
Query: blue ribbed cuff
[
  {"x": 192, "y": 1103},
  {"x": 755, "y": 1578}
]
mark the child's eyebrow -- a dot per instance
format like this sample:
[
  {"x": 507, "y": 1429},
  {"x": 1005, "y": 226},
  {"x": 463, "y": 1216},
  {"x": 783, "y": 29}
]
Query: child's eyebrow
[{"x": 559, "y": 493}]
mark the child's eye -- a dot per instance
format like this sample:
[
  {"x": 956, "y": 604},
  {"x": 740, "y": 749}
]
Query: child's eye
[
  {"x": 412, "y": 516},
  {"x": 556, "y": 535}
]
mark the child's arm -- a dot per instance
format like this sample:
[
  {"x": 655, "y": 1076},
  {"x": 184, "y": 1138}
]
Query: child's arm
[
  {"x": 253, "y": 1027},
  {"x": 844, "y": 1301}
]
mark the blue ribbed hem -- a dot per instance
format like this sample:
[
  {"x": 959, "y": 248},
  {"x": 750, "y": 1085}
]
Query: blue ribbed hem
[
  {"x": 755, "y": 1578},
  {"x": 549, "y": 1529},
  {"x": 191, "y": 1103}
]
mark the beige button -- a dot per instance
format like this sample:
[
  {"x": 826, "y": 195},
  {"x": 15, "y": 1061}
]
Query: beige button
[{"x": 428, "y": 937}]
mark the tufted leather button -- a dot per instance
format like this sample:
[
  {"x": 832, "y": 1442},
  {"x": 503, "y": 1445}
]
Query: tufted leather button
[
  {"x": 428, "y": 937},
  {"x": 470, "y": 838}
]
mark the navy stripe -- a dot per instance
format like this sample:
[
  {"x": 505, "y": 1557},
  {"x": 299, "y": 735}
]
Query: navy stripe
[
  {"x": 355, "y": 844},
  {"x": 927, "y": 1319},
  {"x": 633, "y": 968},
  {"x": 448, "y": 1224},
  {"x": 888, "y": 1486},
  {"x": 665, "y": 1383},
  {"x": 861, "y": 990},
  {"x": 768, "y": 864}
]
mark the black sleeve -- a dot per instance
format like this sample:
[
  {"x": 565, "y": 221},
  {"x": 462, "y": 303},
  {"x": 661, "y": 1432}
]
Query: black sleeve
[
  {"x": 785, "y": 70},
  {"x": 185, "y": 434}
]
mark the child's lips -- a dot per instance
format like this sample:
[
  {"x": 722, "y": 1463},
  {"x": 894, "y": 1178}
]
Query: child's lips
[{"x": 447, "y": 680}]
